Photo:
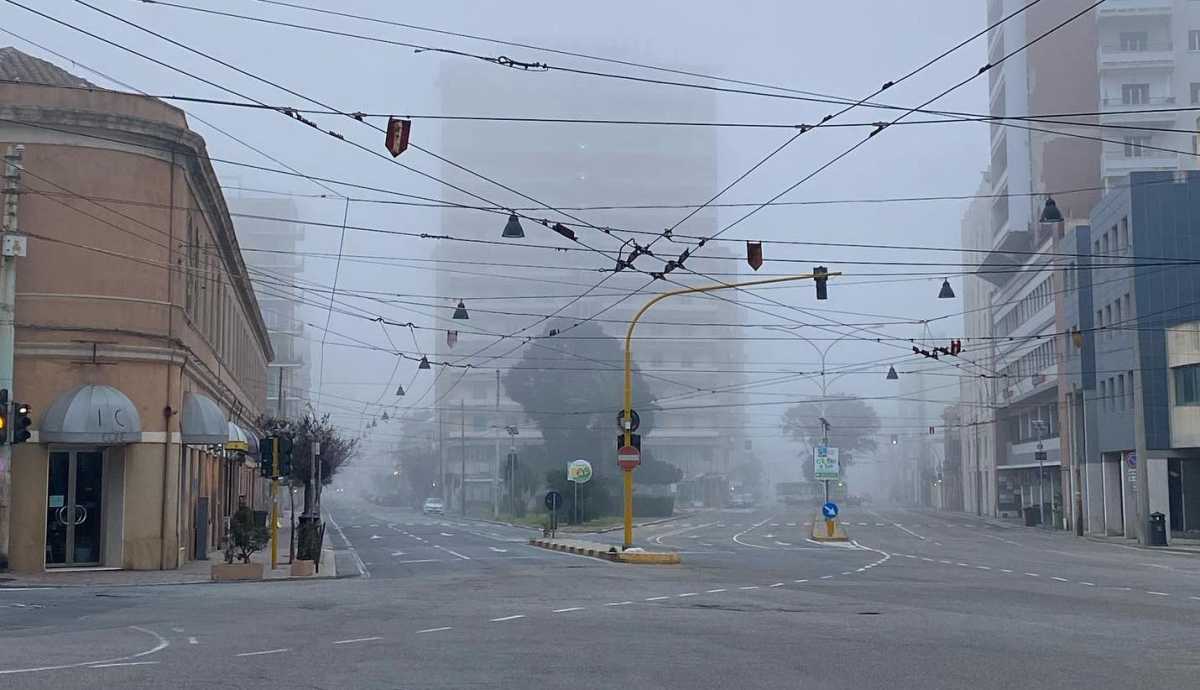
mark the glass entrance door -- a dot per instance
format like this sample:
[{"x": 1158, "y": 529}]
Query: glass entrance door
[{"x": 73, "y": 502}]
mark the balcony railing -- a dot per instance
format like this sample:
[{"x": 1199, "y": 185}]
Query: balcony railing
[
  {"x": 1119, "y": 103},
  {"x": 1150, "y": 47},
  {"x": 1132, "y": 7}
]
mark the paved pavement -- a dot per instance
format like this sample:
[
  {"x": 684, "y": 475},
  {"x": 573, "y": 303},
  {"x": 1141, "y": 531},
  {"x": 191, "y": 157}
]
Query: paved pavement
[{"x": 916, "y": 600}]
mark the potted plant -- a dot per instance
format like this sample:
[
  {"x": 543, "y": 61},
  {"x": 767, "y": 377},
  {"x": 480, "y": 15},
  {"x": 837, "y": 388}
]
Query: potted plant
[{"x": 245, "y": 538}]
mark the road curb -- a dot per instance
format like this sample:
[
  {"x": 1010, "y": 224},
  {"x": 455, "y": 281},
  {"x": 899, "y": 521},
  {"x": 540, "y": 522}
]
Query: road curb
[
  {"x": 1143, "y": 547},
  {"x": 609, "y": 553}
]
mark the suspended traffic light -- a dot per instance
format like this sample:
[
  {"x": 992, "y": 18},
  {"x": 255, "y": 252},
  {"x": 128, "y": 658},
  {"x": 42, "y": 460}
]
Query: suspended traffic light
[
  {"x": 1050, "y": 213},
  {"x": 819, "y": 276},
  {"x": 892, "y": 375},
  {"x": 424, "y": 364},
  {"x": 460, "y": 312},
  {"x": 513, "y": 229},
  {"x": 400, "y": 390}
]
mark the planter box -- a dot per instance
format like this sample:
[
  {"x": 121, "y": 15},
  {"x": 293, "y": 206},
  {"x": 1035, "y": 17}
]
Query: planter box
[
  {"x": 303, "y": 568},
  {"x": 227, "y": 572}
]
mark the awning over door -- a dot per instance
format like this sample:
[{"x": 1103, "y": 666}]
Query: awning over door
[
  {"x": 93, "y": 414},
  {"x": 203, "y": 423}
]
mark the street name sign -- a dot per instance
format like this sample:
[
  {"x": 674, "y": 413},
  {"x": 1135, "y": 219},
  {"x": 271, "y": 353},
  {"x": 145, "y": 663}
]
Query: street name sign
[{"x": 825, "y": 463}]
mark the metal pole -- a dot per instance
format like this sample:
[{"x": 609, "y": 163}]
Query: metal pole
[
  {"x": 1041, "y": 481},
  {"x": 462, "y": 442},
  {"x": 496, "y": 426},
  {"x": 628, "y": 408},
  {"x": 274, "y": 503},
  {"x": 8, "y": 286}
]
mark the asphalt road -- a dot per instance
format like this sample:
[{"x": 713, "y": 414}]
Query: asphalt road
[{"x": 919, "y": 600}]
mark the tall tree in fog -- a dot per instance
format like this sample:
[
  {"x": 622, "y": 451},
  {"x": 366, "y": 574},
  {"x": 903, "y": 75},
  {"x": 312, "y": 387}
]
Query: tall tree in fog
[{"x": 853, "y": 427}]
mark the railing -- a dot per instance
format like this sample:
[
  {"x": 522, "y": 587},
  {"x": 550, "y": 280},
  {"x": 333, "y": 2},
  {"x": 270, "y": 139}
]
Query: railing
[
  {"x": 1155, "y": 47},
  {"x": 1119, "y": 102}
]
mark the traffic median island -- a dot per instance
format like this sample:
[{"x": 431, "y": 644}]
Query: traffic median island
[
  {"x": 828, "y": 530},
  {"x": 607, "y": 551}
]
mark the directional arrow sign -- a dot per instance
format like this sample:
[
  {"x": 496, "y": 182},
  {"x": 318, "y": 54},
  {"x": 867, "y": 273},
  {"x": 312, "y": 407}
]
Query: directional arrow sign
[{"x": 829, "y": 510}]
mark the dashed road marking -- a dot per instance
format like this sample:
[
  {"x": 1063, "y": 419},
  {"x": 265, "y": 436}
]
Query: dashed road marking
[
  {"x": 826, "y": 577},
  {"x": 433, "y": 630},
  {"x": 192, "y": 640},
  {"x": 452, "y": 553},
  {"x": 1088, "y": 584},
  {"x": 356, "y": 640},
  {"x": 777, "y": 584},
  {"x": 568, "y": 609},
  {"x": 281, "y": 650},
  {"x": 688, "y": 594},
  {"x": 783, "y": 543},
  {"x": 507, "y": 618},
  {"x": 799, "y": 582},
  {"x": 749, "y": 587},
  {"x": 618, "y": 603},
  {"x": 498, "y": 550},
  {"x": 1059, "y": 579},
  {"x": 1157, "y": 594},
  {"x": 124, "y": 663},
  {"x": 715, "y": 591},
  {"x": 1006, "y": 570},
  {"x": 983, "y": 567},
  {"x": 1033, "y": 575},
  {"x": 656, "y": 598}
]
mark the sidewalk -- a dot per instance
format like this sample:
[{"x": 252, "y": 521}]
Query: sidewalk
[{"x": 191, "y": 572}]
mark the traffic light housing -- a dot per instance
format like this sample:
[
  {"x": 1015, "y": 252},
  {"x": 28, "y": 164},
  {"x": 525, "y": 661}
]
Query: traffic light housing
[
  {"x": 285, "y": 457},
  {"x": 4, "y": 415},
  {"x": 21, "y": 422},
  {"x": 819, "y": 276},
  {"x": 266, "y": 456}
]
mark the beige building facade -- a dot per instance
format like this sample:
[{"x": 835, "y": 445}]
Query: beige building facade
[{"x": 139, "y": 342}]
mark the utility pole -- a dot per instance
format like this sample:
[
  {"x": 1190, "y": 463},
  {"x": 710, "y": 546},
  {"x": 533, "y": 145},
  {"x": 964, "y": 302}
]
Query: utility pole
[
  {"x": 1040, "y": 425},
  {"x": 496, "y": 480},
  {"x": 14, "y": 246},
  {"x": 462, "y": 442},
  {"x": 825, "y": 442}
]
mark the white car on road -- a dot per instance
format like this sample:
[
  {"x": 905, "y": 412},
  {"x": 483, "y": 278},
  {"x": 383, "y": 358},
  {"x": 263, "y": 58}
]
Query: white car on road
[{"x": 433, "y": 506}]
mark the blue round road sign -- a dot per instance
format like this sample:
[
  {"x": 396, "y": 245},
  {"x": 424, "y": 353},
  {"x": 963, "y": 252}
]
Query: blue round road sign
[
  {"x": 553, "y": 500},
  {"x": 829, "y": 510}
]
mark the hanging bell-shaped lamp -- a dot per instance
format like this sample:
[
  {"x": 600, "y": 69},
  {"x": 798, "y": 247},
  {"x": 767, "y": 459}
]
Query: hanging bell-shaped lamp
[
  {"x": 424, "y": 364},
  {"x": 513, "y": 229},
  {"x": 400, "y": 391},
  {"x": 460, "y": 312},
  {"x": 1050, "y": 212},
  {"x": 946, "y": 292},
  {"x": 384, "y": 416},
  {"x": 892, "y": 375}
]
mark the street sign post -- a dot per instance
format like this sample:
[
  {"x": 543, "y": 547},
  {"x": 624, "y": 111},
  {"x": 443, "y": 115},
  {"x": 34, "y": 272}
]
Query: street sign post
[
  {"x": 553, "y": 502},
  {"x": 635, "y": 422},
  {"x": 825, "y": 464},
  {"x": 579, "y": 472},
  {"x": 830, "y": 511}
]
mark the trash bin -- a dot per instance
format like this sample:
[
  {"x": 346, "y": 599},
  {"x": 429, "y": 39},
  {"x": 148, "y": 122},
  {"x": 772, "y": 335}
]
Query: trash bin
[
  {"x": 1031, "y": 517},
  {"x": 1157, "y": 530}
]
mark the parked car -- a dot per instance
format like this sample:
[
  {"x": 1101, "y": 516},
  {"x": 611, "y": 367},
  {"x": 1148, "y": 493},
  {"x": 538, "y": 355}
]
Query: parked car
[{"x": 433, "y": 506}]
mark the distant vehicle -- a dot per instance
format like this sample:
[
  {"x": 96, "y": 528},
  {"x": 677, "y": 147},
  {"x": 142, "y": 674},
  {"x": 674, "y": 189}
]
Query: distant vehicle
[
  {"x": 741, "y": 501},
  {"x": 433, "y": 506},
  {"x": 854, "y": 500}
]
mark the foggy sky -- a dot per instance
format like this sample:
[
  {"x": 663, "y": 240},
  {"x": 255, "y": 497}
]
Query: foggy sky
[{"x": 845, "y": 48}]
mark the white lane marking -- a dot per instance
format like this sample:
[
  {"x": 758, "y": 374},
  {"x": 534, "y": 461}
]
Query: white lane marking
[
  {"x": 447, "y": 534},
  {"x": 1121, "y": 589},
  {"x": 905, "y": 529},
  {"x": 430, "y": 630},
  {"x": 774, "y": 524},
  {"x": 397, "y": 553},
  {"x": 178, "y": 630},
  {"x": 376, "y": 525},
  {"x": 656, "y": 598},
  {"x": 791, "y": 524},
  {"x": 1196, "y": 598},
  {"x": 568, "y": 609},
  {"x": 618, "y": 603},
  {"x": 880, "y": 524},
  {"x": 768, "y": 536},
  {"x": 452, "y": 553},
  {"x": 714, "y": 591},
  {"x": 860, "y": 570},
  {"x": 944, "y": 562},
  {"x": 123, "y": 663},
  {"x": 375, "y": 536},
  {"x": 826, "y": 577},
  {"x": 983, "y": 567},
  {"x": 777, "y": 584},
  {"x": 1033, "y": 575},
  {"x": 161, "y": 644},
  {"x": 358, "y": 639},
  {"x": 783, "y": 543},
  {"x": 845, "y": 572},
  {"x": 927, "y": 559},
  {"x": 682, "y": 528},
  {"x": 737, "y": 538},
  {"x": 498, "y": 550},
  {"x": 192, "y": 640},
  {"x": 1059, "y": 579},
  {"x": 963, "y": 565},
  {"x": 749, "y": 587},
  {"x": 507, "y": 618},
  {"x": 422, "y": 560},
  {"x": 281, "y": 650},
  {"x": 1006, "y": 570},
  {"x": 1158, "y": 594},
  {"x": 358, "y": 561},
  {"x": 799, "y": 582},
  {"x": 688, "y": 594},
  {"x": 1088, "y": 584}
]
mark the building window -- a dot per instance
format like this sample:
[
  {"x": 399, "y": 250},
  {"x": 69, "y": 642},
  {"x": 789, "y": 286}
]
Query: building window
[
  {"x": 1125, "y": 233},
  {"x": 1128, "y": 307},
  {"x": 1129, "y": 375},
  {"x": 479, "y": 422},
  {"x": 1133, "y": 40},
  {"x": 1194, "y": 39},
  {"x": 1103, "y": 394},
  {"x": 1136, "y": 144},
  {"x": 1108, "y": 319},
  {"x": 1121, "y": 391},
  {"x": 1104, "y": 244},
  {"x": 1100, "y": 319},
  {"x": 1187, "y": 385},
  {"x": 1195, "y": 93},
  {"x": 1135, "y": 94},
  {"x": 1117, "y": 313}
]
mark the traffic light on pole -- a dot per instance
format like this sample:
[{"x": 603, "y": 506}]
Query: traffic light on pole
[
  {"x": 21, "y": 423},
  {"x": 819, "y": 276},
  {"x": 285, "y": 457},
  {"x": 266, "y": 456},
  {"x": 4, "y": 414}
]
